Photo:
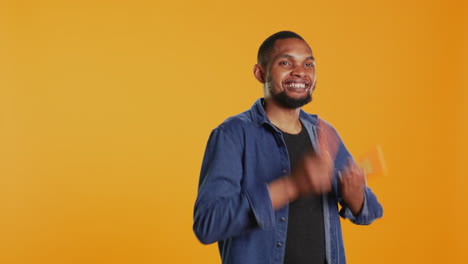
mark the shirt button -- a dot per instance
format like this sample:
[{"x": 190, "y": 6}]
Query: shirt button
[
  {"x": 279, "y": 244},
  {"x": 283, "y": 170},
  {"x": 282, "y": 219}
]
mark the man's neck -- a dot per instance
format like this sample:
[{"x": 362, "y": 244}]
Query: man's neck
[{"x": 286, "y": 119}]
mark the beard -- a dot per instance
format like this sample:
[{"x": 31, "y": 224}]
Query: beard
[{"x": 287, "y": 101}]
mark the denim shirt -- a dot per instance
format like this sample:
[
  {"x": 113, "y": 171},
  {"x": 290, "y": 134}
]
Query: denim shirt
[{"x": 233, "y": 206}]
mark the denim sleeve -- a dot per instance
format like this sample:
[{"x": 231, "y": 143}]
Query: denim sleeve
[
  {"x": 224, "y": 208},
  {"x": 371, "y": 208},
  {"x": 370, "y": 211}
]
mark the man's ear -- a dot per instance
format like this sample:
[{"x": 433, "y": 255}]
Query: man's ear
[{"x": 259, "y": 73}]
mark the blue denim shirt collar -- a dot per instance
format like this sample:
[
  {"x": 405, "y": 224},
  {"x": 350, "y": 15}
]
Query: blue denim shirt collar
[{"x": 259, "y": 116}]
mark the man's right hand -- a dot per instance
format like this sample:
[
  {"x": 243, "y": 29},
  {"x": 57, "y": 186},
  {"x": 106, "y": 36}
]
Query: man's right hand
[{"x": 313, "y": 174}]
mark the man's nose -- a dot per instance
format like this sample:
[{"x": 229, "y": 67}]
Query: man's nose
[{"x": 299, "y": 71}]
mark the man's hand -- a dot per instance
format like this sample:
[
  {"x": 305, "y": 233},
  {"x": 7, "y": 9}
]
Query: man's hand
[
  {"x": 353, "y": 183},
  {"x": 313, "y": 174}
]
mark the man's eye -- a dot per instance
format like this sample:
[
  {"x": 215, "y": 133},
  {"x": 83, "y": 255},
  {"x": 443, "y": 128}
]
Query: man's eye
[
  {"x": 284, "y": 63},
  {"x": 310, "y": 65}
]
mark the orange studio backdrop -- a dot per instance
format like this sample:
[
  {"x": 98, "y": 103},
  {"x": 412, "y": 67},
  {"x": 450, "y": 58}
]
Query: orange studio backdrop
[{"x": 106, "y": 107}]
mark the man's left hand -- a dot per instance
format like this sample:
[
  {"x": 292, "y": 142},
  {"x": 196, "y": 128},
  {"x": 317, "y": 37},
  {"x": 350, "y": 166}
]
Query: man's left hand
[{"x": 353, "y": 183}]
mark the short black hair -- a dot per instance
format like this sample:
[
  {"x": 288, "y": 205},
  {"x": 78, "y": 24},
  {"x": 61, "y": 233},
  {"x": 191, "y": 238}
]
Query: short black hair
[{"x": 269, "y": 43}]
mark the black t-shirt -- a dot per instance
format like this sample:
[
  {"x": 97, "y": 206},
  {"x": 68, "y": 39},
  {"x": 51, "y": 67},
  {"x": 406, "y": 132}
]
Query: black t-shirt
[{"x": 305, "y": 240}]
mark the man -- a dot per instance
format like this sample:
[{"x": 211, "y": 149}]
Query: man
[{"x": 273, "y": 176}]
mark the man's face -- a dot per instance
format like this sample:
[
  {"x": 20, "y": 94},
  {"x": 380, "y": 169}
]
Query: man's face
[{"x": 290, "y": 73}]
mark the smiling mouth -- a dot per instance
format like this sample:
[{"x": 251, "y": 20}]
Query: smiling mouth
[{"x": 296, "y": 86}]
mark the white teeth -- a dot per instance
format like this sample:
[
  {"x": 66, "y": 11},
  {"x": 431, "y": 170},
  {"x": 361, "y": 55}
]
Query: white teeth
[{"x": 296, "y": 85}]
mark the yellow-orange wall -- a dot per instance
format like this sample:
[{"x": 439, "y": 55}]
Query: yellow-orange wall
[{"x": 106, "y": 106}]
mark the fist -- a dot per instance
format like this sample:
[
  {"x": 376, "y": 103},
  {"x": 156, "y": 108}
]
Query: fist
[{"x": 313, "y": 174}]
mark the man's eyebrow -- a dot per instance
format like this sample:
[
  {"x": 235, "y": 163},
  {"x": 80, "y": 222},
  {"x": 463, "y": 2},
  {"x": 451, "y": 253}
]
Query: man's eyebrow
[{"x": 287, "y": 56}]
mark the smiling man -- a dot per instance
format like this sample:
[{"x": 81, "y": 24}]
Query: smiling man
[{"x": 273, "y": 177}]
